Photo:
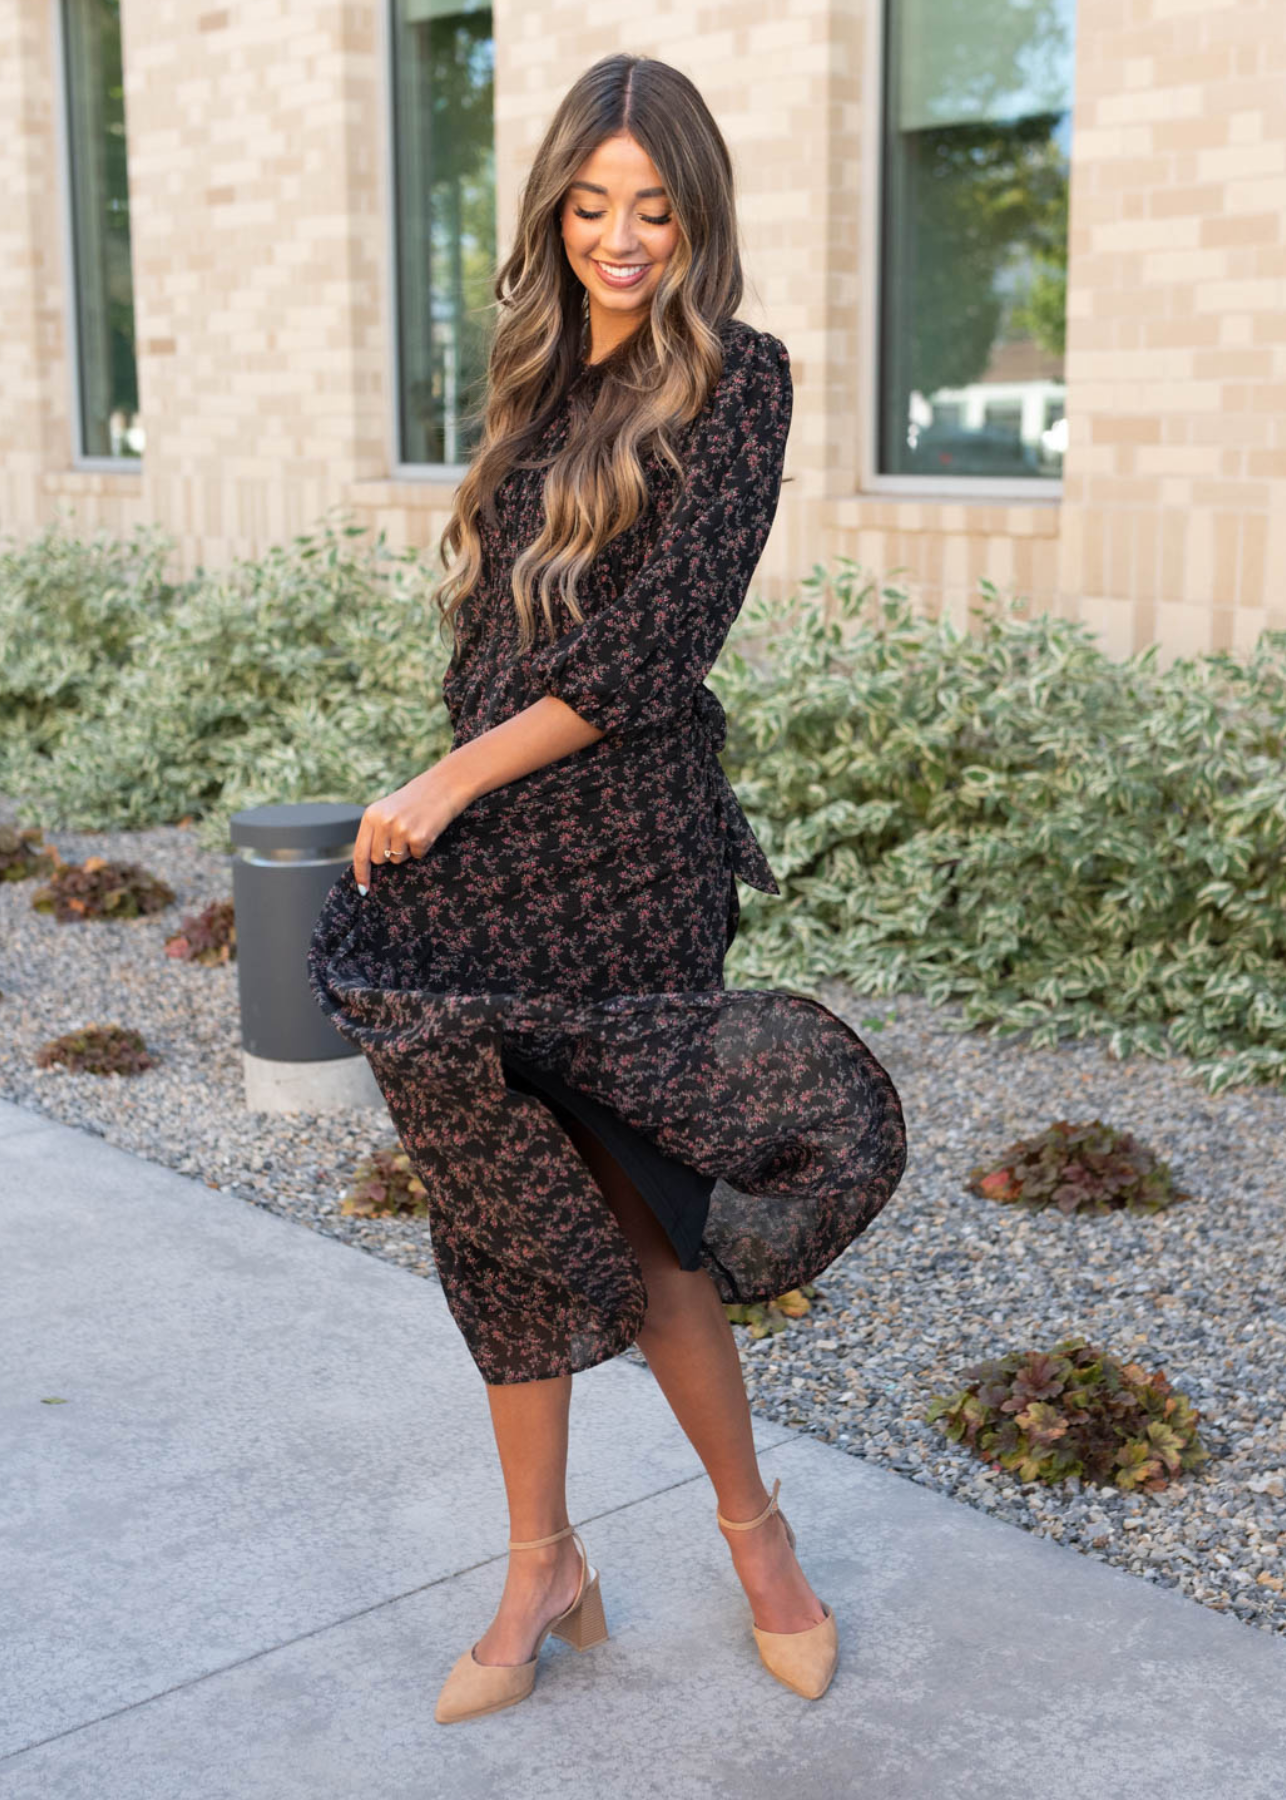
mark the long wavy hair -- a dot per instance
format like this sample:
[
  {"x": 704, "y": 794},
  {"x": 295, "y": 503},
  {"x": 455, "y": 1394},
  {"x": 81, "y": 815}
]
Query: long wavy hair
[{"x": 651, "y": 386}]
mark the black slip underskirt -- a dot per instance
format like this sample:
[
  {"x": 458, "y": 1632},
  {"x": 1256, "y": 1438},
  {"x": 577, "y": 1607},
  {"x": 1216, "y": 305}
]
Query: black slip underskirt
[{"x": 677, "y": 1193}]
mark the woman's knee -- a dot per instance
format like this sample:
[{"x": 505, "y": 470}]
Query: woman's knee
[
  {"x": 648, "y": 1237},
  {"x": 673, "y": 1293}
]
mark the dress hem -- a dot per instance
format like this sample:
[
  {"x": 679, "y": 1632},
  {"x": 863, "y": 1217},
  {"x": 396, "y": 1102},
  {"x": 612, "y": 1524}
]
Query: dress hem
[{"x": 764, "y": 1091}]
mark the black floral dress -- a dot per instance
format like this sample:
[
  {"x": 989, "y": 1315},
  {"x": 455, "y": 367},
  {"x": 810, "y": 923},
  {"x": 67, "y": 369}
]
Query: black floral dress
[{"x": 560, "y": 947}]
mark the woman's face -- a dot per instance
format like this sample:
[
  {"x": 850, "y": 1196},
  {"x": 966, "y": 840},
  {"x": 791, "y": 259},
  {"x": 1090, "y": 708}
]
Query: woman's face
[{"x": 619, "y": 233}]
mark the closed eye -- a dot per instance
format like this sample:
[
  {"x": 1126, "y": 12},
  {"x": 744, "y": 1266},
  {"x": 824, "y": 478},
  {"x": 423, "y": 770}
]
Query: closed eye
[{"x": 646, "y": 218}]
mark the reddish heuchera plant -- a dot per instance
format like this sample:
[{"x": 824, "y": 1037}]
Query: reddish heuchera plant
[
  {"x": 98, "y": 889},
  {"x": 209, "y": 936},
  {"x": 1070, "y": 1411},
  {"x": 98, "y": 1050},
  {"x": 1089, "y": 1168},
  {"x": 23, "y": 855},
  {"x": 384, "y": 1185}
]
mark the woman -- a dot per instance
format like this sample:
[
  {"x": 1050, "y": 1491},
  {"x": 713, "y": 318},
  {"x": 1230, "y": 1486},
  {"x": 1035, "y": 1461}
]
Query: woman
[{"x": 529, "y": 945}]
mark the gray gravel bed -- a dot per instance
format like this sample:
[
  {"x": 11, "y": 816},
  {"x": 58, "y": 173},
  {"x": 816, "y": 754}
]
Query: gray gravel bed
[{"x": 940, "y": 1280}]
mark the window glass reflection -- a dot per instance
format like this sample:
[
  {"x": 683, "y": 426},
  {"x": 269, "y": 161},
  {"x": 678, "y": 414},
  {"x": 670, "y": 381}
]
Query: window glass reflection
[
  {"x": 978, "y": 98},
  {"x": 444, "y": 164},
  {"x": 103, "y": 283}
]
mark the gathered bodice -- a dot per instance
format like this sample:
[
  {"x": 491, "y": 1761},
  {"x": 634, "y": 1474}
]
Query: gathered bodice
[{"x": 657, "y": 601}]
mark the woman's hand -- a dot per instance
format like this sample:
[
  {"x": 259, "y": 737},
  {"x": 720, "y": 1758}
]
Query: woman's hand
[{"x": 408, "y": 822}]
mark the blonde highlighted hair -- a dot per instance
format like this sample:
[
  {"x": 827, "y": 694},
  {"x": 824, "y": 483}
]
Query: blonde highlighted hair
[{"x": 650, "y": 386}]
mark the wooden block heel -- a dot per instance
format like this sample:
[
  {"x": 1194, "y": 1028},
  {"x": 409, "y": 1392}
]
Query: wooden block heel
[
  {"x": 585, "y": 1625},
  {"x": 473, "y": 1688}
]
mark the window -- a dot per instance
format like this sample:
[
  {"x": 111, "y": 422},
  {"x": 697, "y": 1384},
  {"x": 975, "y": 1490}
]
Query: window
[
  {"x": 102, "y": 281},
  {"x": 973, "y": 277},
  {"x": 444, "y": 222}
]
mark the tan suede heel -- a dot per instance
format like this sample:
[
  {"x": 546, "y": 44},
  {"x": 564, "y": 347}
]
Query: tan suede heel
[
  {"x": 803, "y": 1660},
  {"x": 473, "y": 1688}
]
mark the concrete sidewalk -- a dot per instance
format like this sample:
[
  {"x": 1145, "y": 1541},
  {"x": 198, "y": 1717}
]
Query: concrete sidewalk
[{"x": 241, "y": 1557}]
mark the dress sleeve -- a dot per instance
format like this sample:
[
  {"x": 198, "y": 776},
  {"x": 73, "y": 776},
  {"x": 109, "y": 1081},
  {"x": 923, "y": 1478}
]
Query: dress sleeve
[{"x": 642, "y": 657}]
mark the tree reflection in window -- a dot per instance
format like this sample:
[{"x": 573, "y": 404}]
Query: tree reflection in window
[
  {"x": 444, "y": 164},
  {"x": 103, "y": 284},
  {"x": 974, "y": 275}
]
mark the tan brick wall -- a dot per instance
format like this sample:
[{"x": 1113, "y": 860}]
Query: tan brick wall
[
  {"x": 938, "y": 548},
  {"x": 261, "y": 268},
  {"x": 34, "y": 373},
  {"x": 760, "y": 69},
  {"x": 1173, "y": 527},
  {"x": 258, "y": 253},
  {"x": 256, "y": 247}
]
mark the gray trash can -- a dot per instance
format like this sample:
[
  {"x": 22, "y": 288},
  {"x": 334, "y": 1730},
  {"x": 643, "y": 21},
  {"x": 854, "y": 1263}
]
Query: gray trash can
[{"x": 284, "y": 862}]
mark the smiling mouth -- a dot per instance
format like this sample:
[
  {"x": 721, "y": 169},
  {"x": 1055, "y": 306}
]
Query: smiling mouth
[{"x": 620, "y": 274}]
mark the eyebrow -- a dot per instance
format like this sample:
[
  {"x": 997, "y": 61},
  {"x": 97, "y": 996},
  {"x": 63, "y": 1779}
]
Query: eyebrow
[{"x": 642, "y": 194}]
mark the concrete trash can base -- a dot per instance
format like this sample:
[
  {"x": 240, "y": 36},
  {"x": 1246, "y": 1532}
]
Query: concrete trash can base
[{"x": 336, "y": 1085}]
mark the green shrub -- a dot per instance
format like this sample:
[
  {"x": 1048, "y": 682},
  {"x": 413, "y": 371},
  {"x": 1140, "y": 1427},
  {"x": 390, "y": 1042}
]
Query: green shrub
[
  {"x": 312, "y": 673},
  {"x": 1073, "y": 1411},
  {"x": 1011, "y": 820},
  {"x": 1091, "y": 1168},
  {"x": 209, "y": 936},
  {"x": 98, "y": 889},
  {"x": 98, "y": 1050},
  {"x": 1004, "y": 818},
  {"x": 72, "y": 614},
  {"x": 23, "y": 855}
]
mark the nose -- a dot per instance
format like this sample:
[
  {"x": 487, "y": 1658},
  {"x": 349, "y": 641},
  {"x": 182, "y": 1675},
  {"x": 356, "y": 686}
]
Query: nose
[{"x": 617, "y": 243}]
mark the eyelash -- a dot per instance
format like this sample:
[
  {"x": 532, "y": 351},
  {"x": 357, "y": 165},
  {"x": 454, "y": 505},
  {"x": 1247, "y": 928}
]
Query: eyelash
[{"x": 582, "y": 214}]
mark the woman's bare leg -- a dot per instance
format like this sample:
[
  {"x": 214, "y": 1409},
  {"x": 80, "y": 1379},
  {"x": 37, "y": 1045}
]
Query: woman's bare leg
[
  {"x": 689, "y": 1346},
  {"x": 529, "y": 1419}
]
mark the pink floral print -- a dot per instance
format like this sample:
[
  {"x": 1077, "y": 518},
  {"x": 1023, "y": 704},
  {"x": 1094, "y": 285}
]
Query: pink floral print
[{"x": 577, "y": 919}]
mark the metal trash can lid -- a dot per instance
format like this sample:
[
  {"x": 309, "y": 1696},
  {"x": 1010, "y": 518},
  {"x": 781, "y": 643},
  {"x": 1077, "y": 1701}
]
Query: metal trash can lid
[{"x": 309, "y": 825}]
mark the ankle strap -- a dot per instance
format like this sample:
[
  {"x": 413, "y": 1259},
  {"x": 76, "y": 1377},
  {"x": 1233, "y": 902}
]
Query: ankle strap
[
  {"x": 535, "y": 1543},
  {"x": 745, "y": 1524}
]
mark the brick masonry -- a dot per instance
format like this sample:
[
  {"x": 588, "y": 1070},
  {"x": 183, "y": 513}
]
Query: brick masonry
[{"x": 258, "y": 191}]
